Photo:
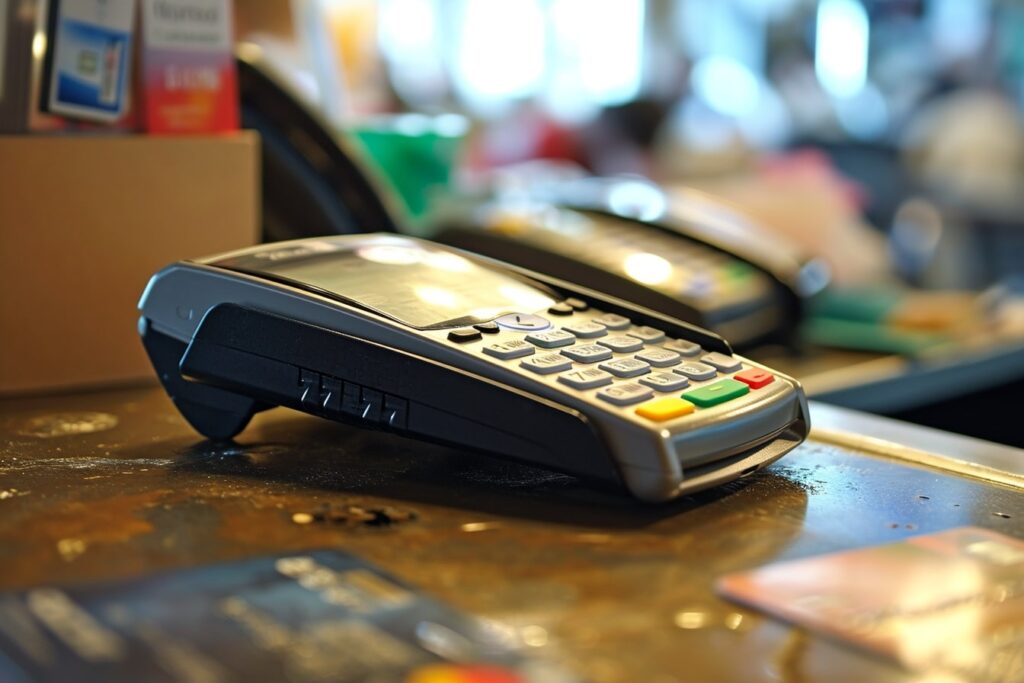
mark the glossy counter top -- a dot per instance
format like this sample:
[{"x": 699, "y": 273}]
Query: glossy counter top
[{"x": 115, "y": 484}]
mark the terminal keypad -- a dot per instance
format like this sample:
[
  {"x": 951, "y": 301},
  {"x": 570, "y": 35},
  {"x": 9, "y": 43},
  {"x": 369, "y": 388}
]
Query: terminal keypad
[{"x": 637, "y": 368}]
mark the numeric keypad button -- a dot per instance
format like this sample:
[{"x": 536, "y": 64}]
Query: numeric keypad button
[
  {"x": 552, "y": 339},
  {"x": 547, "y": 363},
  {"x": 722, "y": 362},
  {"x": 683, "y": 347},
  {"x": 621, "y": 344},
  {"x": 659, "y": 358},
  {"x": 586, "y": 330},
  {"x": 586, "y": 378},
  {"x": 626, "y": 367},
  {"x": 587, "y": 353},
  {"x": 646, "y": 334},
  {"x": 613, "y": 321},
  {"x": 695, "y": 370},
  {"x": 514, "y": 348},
  {"x": 625, "y": 393},
  {"x": 664, "y": 381}
]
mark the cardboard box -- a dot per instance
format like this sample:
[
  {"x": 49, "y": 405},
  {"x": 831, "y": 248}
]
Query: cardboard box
[{"x": 84, "y": 222}]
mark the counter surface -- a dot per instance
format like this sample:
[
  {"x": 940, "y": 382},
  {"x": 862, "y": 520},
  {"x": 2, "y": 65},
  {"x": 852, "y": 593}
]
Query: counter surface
[{"x": 115, "y": 484}]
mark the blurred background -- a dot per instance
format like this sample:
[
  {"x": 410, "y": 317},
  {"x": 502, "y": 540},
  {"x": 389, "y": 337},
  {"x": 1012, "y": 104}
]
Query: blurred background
[
  {"x": 882, "y": 137},
  {"x": 900, "y": 115},
  {"x": 835, "y": 186}
]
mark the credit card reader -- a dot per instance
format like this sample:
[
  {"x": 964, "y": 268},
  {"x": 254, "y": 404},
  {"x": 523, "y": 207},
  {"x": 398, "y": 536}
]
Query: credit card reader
[
  {"x": 679, "y": 252},
  {"x": 405, "y": 335}
]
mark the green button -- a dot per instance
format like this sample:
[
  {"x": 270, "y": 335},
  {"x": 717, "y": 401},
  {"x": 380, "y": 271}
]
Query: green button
[{"x": 719, "y": 392}]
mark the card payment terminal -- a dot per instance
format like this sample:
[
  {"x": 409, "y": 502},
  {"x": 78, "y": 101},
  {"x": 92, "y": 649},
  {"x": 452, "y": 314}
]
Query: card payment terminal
[{"x": 405, "y": 335}]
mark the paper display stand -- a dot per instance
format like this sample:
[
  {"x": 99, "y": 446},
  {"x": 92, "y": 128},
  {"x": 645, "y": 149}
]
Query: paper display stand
[{"x": 84, "y": 222}]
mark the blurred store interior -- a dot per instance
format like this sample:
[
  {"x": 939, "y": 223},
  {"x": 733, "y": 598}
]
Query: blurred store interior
[{"x": 883, "y": 138}]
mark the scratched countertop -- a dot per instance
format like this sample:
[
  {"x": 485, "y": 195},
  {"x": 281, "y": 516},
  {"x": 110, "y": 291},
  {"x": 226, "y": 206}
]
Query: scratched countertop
[{"x": 114, "y": 484}]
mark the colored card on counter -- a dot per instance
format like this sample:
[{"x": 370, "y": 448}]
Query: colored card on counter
[
  {"x": 303, "y": 617},
  {"x": 86, "y": 71},
  {"x": 950, "y": 601}
]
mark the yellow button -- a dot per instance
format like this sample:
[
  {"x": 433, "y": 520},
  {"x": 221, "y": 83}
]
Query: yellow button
[{"x": 665, "y": 409}]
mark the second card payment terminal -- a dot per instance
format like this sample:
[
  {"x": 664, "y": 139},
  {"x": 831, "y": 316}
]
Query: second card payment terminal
[
  {"x": 431, "y": 342},
  {"x": 679, "y": 252}
]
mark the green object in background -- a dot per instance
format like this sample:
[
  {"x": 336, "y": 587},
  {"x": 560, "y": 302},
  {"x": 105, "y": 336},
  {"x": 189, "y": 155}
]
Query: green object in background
[
  {"x": 861, "y": 318},
  {"x": 415, "y": 153},
  {"x": 862, "y": 304},
  {"x": 868, "y": 336},
  {"x": 740, "y": 271}
]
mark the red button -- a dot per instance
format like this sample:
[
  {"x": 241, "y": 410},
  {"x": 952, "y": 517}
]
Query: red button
[{"x": 755, "y": 378}]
